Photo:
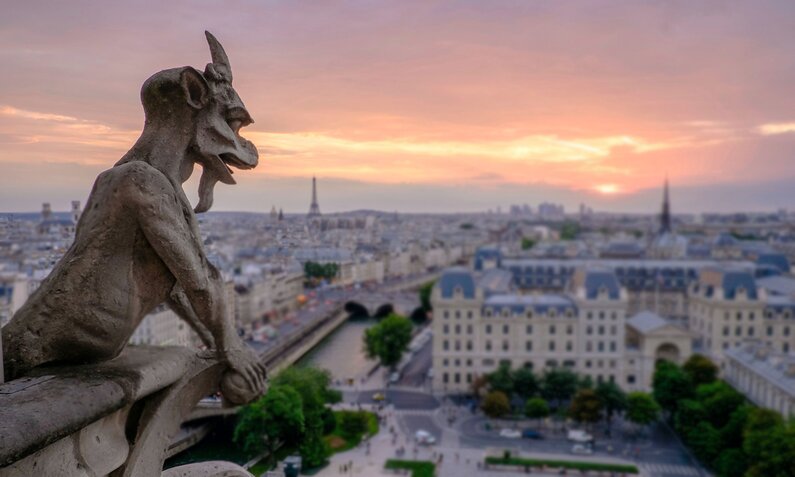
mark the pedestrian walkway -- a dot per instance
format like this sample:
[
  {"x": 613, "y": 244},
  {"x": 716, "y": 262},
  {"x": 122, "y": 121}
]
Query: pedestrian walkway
[{"x": 669, "y": 470}]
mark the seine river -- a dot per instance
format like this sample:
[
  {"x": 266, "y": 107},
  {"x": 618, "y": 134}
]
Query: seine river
[{"x": 341, "y": 352}]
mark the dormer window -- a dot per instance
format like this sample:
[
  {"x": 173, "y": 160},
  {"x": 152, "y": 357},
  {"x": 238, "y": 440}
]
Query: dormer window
[
  {"x": 529, "y": 314},
  {"x": 506, "y": 312},
  {"x": 458, "y": 291}
]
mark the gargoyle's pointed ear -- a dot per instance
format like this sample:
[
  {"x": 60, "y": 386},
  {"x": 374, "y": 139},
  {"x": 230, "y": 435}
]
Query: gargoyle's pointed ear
[{"x": 197, "y": 91}]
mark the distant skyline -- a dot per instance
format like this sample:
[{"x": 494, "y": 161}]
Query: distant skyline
[{"x": 423, "y": 106}]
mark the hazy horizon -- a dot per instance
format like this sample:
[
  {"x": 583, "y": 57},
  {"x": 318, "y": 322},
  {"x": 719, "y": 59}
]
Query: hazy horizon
[{"x": 423, "y": 106}]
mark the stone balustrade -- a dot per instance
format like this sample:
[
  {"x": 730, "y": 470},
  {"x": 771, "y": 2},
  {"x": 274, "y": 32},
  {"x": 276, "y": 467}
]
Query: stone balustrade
[{"x": 114, "y": 419}]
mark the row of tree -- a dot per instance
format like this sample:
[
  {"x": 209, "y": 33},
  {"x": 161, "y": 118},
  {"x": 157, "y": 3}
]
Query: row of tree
[
  {"x": 315, "y": 272},
  {"x": 560, "y": 392},
  {"x": 292, "y": 413},
  {"x": 725, "y": 432}
]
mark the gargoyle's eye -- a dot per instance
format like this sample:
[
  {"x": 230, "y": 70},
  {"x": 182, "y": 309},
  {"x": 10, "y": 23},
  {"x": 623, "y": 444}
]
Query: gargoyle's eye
[{"x": 234, "y": 124}]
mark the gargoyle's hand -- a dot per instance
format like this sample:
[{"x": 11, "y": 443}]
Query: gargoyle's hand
[{"x": 245, "y": 361}]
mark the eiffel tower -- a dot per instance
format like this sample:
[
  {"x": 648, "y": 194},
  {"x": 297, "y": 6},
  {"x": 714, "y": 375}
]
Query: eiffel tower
[{"x": 314, "y": 209}]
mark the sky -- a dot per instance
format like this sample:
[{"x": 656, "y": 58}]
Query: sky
[{"x": 422, "y": 105}]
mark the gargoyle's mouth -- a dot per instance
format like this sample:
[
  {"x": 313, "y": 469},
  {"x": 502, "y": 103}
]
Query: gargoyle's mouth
[{"x": 236, "y": 162}]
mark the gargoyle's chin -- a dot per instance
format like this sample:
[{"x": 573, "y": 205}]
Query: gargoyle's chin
[{"x": 214, "y": 170}]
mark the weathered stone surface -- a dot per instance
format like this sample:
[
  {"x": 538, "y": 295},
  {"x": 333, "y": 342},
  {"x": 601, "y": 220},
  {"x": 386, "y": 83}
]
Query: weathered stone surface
[
  {"x": 137, "y": 244},
  {"x": 208, "y": 469},
  {"x": 75, "y": 397}
]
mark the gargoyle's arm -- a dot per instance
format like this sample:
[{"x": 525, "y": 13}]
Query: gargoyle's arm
[
  {"x": 151, "y": 198},
  {"x": 179, "y": 303}
]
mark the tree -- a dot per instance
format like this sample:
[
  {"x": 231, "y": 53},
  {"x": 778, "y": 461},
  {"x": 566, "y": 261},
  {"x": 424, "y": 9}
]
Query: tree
[
  {"x": 704, "y": 440},
  {"x": 731, "y": 463},
  {"x": 501, "y": 379},
  {"x": 479, "y": 384},
  {"x": 558, "y": 386},
  {"x": 731, "y": 435},
  {"x": 353, "y": 423},
  {"x": 312, "y": 385},
  {"x": 719, "y": 400},
  {"x": 275, "y": 418},
  {"x": 700, "y": 370},
  {"x": 770, "y": 453},
  {"x": 670, "y": 385},
  {"x": 536, "y": 408},
  {"x": 425, "y": 296},
  {"x": 642, "y": 410},
  {"x": 528, "y": 243},
  {"x": 586, "y": 407},
  {"x": 569, "y": 230},
  {"x": 613, "y": 399},
  {"x": 496, "y": 404},
  {"x": 388, "y": 339},
  {"x": 525, "y": 383},
  {"x": 690, "y": 412}
]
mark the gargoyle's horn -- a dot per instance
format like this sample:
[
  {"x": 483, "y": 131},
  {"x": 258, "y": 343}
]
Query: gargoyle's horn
[{"x": 220, "y": 60}]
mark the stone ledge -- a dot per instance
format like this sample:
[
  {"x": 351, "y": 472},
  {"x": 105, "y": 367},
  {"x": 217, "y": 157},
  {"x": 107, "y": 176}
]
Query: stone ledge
[{"x": 38, "y": 412}]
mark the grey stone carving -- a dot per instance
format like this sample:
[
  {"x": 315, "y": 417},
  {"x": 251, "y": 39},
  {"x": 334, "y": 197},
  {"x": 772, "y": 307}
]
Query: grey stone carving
[{"x": 137, "y": 244}]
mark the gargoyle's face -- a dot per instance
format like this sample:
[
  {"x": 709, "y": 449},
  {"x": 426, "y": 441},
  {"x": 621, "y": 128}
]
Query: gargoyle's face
[{"x": 218, "y": 146}]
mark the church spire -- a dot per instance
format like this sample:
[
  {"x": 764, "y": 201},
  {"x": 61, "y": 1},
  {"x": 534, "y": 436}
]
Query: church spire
[{"x": 665, "y": 216}]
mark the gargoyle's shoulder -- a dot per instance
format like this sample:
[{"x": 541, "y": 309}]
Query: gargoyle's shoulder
[{"x": 138, "y": 177}]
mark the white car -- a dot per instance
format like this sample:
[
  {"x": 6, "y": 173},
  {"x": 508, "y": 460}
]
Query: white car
[
  {"x": 424, "y": 438},
  {"x": 510, "y": 433},
  {"x": 581, "y": 449},
  {"x": 579, "y": 436},
  {"x": 394, "y": 377}
]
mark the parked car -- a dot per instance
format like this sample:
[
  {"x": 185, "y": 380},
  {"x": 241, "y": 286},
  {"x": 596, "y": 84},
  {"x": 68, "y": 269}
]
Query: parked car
[
  {"x": 378, "y": 397},
  {"x": 575, "y": 435},
  {"x": 424, "y": 438},
  {"x": 531, "y": 434},
  {"x": 581, "y": 449},
  {"x": 510, "y": 433}
]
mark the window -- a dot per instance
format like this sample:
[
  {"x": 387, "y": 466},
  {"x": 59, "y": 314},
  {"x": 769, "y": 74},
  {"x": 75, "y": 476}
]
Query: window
[
  {"x": 457, "y": 362},
  {"x": 588, "y": 346},
  {"x": 446, "y": 329},
  {"x": 488, "y": 329},
  {"x": 588, "y": 363},
  {"x": 457, "y": 329},
  {"x": 488, "y": 345},
  {"x": 457, "y": 345},
  {"x": 601, "y": 346},
  {"x": 506, "y": 329},
  {"x": 469, "y": 314},
  {"x": 529, "y": 329},
  {"x": 469, "y": 329},
  {"x": 569, "y": 330},
  {"x": 445, "y": 345},
  {"x": 528, "y": 346},
  {"x": 457, "y": 314},
  {"x": 552, "y": 346},
  {"x": 631, "y": 379},
  {"x": 445, "y": 378},
  {"x": 469, "y": 345},
  {"x": 569, "y": 346},
  {"x": 601, "y": 330},
  {"x": 589, "y": 330},
  {"x": 457, "y": 378},
  {"x": 469, "y": 362},
  {"x": 612, "y": 346},
  {"x": 750, "y": 331},
  {"x": 738, "y": 331},
  {"x": 552, "y": 329},
  {"x": 488, "y": 362},
  {"x": 505, "y": 345},
  {"x": 445, "y": 362},
  {"x": 726, "y": 331},
  {"x": 786, "y": 331},
  {"x": 446, "y": 314}
]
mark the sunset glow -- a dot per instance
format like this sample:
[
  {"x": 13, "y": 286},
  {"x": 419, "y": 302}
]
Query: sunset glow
[{"x": 541, "y": 100}]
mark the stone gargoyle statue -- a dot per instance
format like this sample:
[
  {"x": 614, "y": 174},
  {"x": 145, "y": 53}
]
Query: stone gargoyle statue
[{"x": 137, "y": 244}]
